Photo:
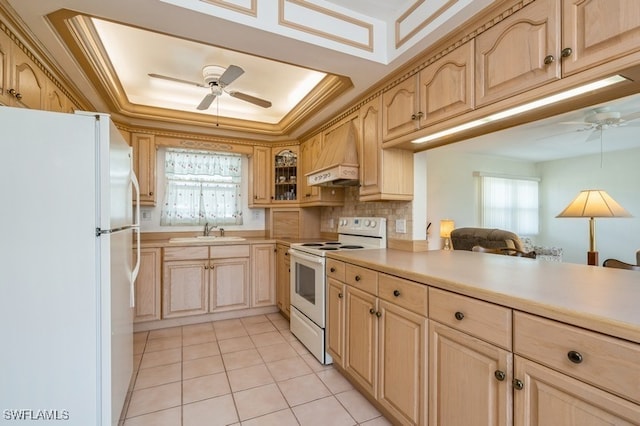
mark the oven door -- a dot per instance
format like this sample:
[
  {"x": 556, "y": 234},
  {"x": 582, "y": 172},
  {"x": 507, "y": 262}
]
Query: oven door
[{"x": 307, "y": 285}]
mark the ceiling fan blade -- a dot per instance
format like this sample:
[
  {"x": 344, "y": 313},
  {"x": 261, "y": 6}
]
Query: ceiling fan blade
[
  {"x": 631, "y": 117},
  {"x": 252, "y": 99},
  {"x": 206, "y": 101},
  {"x": 595, "y": 135},
  {"x": 230, "y": 74},
  {"x": 176, "y": 80}
]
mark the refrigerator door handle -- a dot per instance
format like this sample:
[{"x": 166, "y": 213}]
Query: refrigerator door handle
[{"x": 136, "y": 268}]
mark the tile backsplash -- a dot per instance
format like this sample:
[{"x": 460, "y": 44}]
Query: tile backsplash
[{"x": 391, "y": 210}]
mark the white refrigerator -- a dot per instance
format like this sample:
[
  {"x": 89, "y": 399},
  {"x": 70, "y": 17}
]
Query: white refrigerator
[{"x": 66, "y": 268}]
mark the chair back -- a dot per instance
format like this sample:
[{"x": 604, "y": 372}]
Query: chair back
[
  {"x": 615, "y": 263},
  {"x": 506, "y": 251}
]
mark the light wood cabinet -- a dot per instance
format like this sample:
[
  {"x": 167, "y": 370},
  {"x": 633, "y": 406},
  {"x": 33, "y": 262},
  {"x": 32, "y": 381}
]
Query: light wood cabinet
[
  {"x": 598, "y": 31},
  {"x": 263, "y": 275},
  {"x": 293, "y": 222},
  {"x": 148, "y": 285},
  {"x": 314, "y": 195},
  {"x": 144, "y": 166},
  {"x": 402, "y": 363},
  {"x": 361, "y": 338},
  {"x": 284, "y": 188},
  {"x": 229, "y": 284},
  {"x": 335, "y": 320},
  {"x": 56, "y": 100},
  {"x": 283, "y": 279},
  {"x": 260, "y": 177},
  {"x": 400, "y": 114},
  {"x": 385, "y": 174},
  {"x": 446, "y": 86},
  {"x": 230, "y": 281},
  {"x": 518, "y": 53},
  {"x": 548, "y": 397},
  {"x": 469, "y": 380},
  {"x": 5, "y": 69},
  {"x": 23, "y": 83},
  {"x": 185, "y": 288}
]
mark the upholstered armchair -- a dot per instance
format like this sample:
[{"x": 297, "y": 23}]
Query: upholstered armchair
[{"x": 467, "y": 238}]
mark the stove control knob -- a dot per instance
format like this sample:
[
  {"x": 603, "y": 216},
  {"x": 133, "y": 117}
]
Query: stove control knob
[
  {"x": 373, "y": 223},
  {"x": 367, "y": 222}
]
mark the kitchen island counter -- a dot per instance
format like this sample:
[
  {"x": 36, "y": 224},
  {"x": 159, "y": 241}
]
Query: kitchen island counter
[{"x": 591, "y": 297}]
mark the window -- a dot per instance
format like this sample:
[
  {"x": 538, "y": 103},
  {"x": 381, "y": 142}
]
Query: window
[
  {"x": 201, "y": 187},
  {"x": 509, "y": 203}
]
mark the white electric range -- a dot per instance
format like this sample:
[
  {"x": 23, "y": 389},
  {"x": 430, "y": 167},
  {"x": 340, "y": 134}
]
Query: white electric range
[{"x": 308, "y": 277}]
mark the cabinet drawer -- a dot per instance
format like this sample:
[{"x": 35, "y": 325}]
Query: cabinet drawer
[
  {"x": 362, "y": 278},
  {"x": 186, "y": 253},
  {"x": 335, "y": 269},
  {"x": 484, "y": 320},
  {"x": 605, "y": 362},
  {"x": 218, "y": 252},
  {"x": 409, "y": 295}
]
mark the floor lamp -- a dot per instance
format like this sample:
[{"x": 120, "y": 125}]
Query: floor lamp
[{"x": 593, "y": 203}]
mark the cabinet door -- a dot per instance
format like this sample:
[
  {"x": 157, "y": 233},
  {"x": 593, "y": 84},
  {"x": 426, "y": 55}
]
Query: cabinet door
[
  {"x": 147, "y": 286},
  {"x": 309, "y": 153},
  {"x": 361, "y": 338},
  {"x": 285, "y": 175},
  {"x": 260, "y": 176},
  {"x": 470, "y": 380},
  {"x": 400, "y": 109},
  {"x": 229, "y": 284},
  {"x": 5, "y": 69},
  {"x": 27, "y": 80},
  {"x": 548, "y": 397},
  {"x": 446, "y": 86},
  {"x": 185, "y": 288},
  {"x": 510, "y": 57},
  {"x": 370, "y": 146},
  {"x": 402, "y": 385},
  {"x": 335, "y": 320},
  {"x": 263, "y": 275},
  {"x": 598, "y": 31},
  {"x": 283, "y": 279},
  {"x": 144, "y": 166}
]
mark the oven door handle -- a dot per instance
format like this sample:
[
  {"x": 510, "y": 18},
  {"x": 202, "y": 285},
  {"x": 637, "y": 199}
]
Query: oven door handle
[{"x": 308, "y": 258}]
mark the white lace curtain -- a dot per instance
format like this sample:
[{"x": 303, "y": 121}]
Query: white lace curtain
[{"x": 202, "y": 187}]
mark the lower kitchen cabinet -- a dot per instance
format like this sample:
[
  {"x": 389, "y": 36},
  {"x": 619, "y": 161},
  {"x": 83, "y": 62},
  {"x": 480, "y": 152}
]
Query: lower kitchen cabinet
[
  {"x": 361, "y": 338},
  {"x": 185, "y": 288},
  {"x": 548, "y": 397},
  {"x": 335, "y": 320},
  {"x": 470, "y": 380},
  {"x": 229, "y": 284},
  {"x": 283, "y": 279},
  {"x": 263, "y": 275},
  {"x": 147, "y": 285}
]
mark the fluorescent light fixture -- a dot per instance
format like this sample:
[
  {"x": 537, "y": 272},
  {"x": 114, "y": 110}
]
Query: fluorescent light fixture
[{"x": 525, "y": 107}]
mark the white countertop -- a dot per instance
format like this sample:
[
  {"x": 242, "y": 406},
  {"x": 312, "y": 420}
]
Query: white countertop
[{"x": 600, "y": 299}]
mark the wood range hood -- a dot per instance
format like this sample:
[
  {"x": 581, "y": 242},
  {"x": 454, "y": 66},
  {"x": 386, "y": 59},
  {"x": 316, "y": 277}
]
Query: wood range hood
[{"x": 337, "y": 164}]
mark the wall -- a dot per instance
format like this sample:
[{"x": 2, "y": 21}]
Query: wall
[
  {"x": 253, "y": 219},
  {"x": 562, "y": 180},
  {"x": 451, "y": 187}
]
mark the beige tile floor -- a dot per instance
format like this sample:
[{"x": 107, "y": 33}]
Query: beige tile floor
[{"x": 249, "y": 371}]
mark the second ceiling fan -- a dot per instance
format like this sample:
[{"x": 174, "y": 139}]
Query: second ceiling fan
[{"x": 217, "y": 78}]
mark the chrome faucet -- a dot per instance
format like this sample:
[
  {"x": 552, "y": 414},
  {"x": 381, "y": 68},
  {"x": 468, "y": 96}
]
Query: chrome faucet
[
  {"x": 222, "y": 232},
  {"x": 207, "y": 229}
]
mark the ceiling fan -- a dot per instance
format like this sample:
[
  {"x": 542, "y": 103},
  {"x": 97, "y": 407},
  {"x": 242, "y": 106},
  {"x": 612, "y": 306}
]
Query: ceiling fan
[
  {"x": 217, "y": 78},
  {"x": 604, "y": 118}
]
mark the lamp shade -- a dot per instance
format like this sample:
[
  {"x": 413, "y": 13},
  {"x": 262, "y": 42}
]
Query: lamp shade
[
  {"x": 594, "y": 203},
  {"x": 446, "y": 226}
]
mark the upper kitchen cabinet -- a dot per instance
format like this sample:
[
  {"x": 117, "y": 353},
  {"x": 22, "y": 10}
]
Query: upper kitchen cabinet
[
  {"x": 23, "y": 83},
  {"x": 285, "y": 175},
  {"x": 519, "y": 53},
  {"x": 598, "y": 31},
  {"x": 315, "y": 195},
  {"x": 400, "y": 113},
  {"x": 446, "y": 86},
  {"x": 56, "y": 100},
  {"x": 260, "y": 177},
  {"x": 144, "y": 166},
  {"x": 385, "y": 174}
]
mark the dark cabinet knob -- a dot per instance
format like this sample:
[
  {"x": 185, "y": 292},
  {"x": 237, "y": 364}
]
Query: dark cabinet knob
[
  {"x": 517, "y": 384},
  {"x": 378, "y": 314},
  {"x": 459, "y": 316},
  {"x": 340, "y": 295},
  {"x": 549, "y": 59},
  {"x": 396, "y": 293},
  {"x": 500, "y": 375},
  {"x": 358, "y": 278},
  {"x": 575, "y": 357},
  {"x": 566, "y": 52},
  {"x": 332, "y": 269},
  {"x": 372, "y": 311}
]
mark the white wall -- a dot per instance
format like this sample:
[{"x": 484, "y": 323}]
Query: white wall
[
  {"x": 562, "y": 180},
  {"x": 451, "y": 187},
  {"x": 252, "y": 219}
]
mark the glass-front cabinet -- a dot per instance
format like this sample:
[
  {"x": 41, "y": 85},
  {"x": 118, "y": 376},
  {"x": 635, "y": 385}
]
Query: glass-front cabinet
[{"x": 285, "y": 175}]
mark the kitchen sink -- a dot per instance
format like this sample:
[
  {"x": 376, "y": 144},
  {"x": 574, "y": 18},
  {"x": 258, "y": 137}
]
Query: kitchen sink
[{"x": 203, "y": 238}]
